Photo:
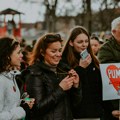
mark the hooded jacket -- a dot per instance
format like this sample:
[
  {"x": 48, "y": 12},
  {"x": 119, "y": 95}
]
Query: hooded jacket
[{"x": 10, "y": 108}]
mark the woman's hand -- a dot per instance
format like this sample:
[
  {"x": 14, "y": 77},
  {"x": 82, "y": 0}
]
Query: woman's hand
[
  {"x": 71, "y": 80},
  {"x": 85, "y": 62},
  {"x": 116, "y": 113},
  {"x": 66, "y": 83},
  {"x": 30, "y": 102},
  {"x": 75, "y": 77}
]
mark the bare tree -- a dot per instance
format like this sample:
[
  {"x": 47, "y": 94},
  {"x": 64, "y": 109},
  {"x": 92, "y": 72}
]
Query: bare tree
[
  {"x": 50, "y": 15},
  {"x": 93, "y": 21},
  {"x": 107, "y": 13},
  {"x": 89, "y": 14}
]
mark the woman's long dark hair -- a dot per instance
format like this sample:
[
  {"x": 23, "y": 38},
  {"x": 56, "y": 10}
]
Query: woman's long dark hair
[
  {"x": 7, "y": 46},
  {"x": 68, "y": 52}
]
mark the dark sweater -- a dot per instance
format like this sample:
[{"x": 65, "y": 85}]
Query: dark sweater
[{"x": 91, "y": 105}]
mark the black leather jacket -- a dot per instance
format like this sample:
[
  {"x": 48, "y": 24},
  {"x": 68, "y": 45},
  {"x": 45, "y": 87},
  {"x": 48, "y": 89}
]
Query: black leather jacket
[{"x": 51, "y": 102}]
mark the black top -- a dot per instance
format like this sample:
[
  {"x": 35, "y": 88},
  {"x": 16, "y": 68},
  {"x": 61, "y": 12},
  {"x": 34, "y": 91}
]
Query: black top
[
  {"x": 92, "y": 105},
  {"x": 51, "y": 102}
]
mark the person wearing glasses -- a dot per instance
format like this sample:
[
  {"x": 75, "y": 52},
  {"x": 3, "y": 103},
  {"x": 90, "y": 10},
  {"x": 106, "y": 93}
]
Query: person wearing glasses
[
  {"x": 78, "y": 55},
  {"x": 11, "y": 107},
  {"x": 52, "y": 86}
]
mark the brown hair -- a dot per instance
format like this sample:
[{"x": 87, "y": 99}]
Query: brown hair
[
  {"x": 68, "y": 50},
  {"x": 41, "y": 46},
  {"x": 7, "y": 46}
]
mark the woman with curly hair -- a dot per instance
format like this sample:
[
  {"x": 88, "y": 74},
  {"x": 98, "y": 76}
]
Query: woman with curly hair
[{"x": 10, "y": 58}]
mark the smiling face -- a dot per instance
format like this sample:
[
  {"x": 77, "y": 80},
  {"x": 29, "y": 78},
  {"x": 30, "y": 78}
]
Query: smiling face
[
  {"x": 80, "y": 43},
  {"x": 16, "y": 57},
  {"x": 53, "y": 53}
]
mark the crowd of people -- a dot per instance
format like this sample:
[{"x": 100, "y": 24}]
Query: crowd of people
[{"x": 50, "y": 82}]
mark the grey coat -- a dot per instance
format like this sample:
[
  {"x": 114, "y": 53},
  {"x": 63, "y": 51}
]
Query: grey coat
[{"x": 10, "y": 98}]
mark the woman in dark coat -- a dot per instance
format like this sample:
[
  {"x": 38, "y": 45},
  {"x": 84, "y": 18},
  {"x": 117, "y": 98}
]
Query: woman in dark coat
[
  {"x": 49, "y": 83},
  {"x": 87, "y": 67}
]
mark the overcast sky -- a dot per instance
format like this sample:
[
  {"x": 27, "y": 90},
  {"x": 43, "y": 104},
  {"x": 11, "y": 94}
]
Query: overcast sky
[{"x": 31, "y": 10}]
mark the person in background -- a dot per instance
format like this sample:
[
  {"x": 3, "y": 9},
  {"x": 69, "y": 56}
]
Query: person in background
[
  {"x": 91, "y": 107},
  {"x": 95, "y": 44},
  {"x": 33, "y": 42},
  {"x": 27, "y": 49},
  {"x": 110, "y": 53},
  {"x": 107, "y": 35},
  {"x": 54, "y": 89},
  {"x": 24, "y": 64},
  {"x": 10, "y": 103}
]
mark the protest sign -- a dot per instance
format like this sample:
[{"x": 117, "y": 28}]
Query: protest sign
[{"x": 110, "y": 80}]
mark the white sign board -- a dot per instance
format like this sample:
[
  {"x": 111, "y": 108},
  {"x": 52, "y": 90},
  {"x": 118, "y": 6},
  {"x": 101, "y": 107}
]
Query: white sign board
[{"x": 110, "y": 80}]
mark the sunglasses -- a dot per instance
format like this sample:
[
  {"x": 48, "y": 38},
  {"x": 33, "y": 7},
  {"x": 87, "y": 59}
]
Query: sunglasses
[
  {"x": 53, "y": 37},
  {"x": 13, "y": 42}
]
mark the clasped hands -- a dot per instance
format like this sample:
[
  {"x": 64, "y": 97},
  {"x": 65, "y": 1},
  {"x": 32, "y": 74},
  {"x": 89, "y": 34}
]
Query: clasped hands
[{"x": 71, "y": 80}]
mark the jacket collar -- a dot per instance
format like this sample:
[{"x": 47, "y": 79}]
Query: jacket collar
[
  {"x": 116, "y": 45},
  {"x": 11, "y": 74}
]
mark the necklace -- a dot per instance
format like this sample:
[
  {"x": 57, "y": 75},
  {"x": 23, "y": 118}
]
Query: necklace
[{"x": 62, "y": 71}]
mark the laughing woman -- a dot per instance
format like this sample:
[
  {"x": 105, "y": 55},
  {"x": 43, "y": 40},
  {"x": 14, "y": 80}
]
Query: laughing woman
[
  {"x": 52, "y": 87},
  {"x": 10, "y": 57}
]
